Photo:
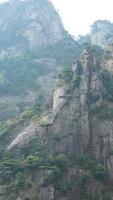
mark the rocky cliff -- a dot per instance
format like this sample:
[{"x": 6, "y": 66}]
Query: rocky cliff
[
  {"x": 28, "y": 25},
  {"x": 33, "y": 48},
  {"x": 61, "y": 147},
  {"x": 65, "y": 152},
  {"x": 101, "y": 34}
]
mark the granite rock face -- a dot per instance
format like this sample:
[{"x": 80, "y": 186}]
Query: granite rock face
[
  {"x": 101, "y": 34},
  {"x": 63, "y": 151},
  {"x": 32, "y": 42},
  {"x": 29, "y": 25},
  {"x": 81, "y": 130}
]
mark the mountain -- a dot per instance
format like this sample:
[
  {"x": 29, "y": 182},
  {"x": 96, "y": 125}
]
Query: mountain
[
  {"x": 28, "y": 25},
  {"x": 56, "y": 106},
  {"x": 33, "y": 48},
  {"x": 65, "y": 151},
  {"x": 101, "y": 34}
]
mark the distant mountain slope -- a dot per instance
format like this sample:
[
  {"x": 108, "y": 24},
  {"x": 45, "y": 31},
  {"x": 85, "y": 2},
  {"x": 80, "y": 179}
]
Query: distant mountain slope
[
  {"x": 61, "y": 146},
  {"x": 29, "y": 24},
  {"x": 101, "y": 34},
  {"x": 65, "y": 152},
  {"x": 33, "y": 48}
]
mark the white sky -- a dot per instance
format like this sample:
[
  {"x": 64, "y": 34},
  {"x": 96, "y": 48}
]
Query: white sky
[{"x": 78, "y": 15}]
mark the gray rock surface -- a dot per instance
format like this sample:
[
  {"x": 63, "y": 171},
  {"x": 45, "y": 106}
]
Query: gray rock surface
[
  {"x": 33, "y": 48},
  {"x": 34, "y": 23},
  {"x": 101, "y": 34}
]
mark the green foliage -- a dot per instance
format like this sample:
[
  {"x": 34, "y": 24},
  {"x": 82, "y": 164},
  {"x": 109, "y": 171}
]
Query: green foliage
[
  {"x": 79, "y": 69},
  {"x": 34, "y": 157},
  {"x": 64, "y": 52},
  {"x": 35, "y": 109},
  {"x": 107, "y": 79},
  {"x": 96, "y": 169},
  {"x": 107, "y": 55},
  {"x": 18, "y": 183},
  {"x": 99, "y": 172},
  {"x": 63, "y": 187},
  {"x": 34, "y": 147},
  {"x": 32, "y": 111},
  {"x": 4, "y": 129},
  {"x": 53, "y": 177},
  {"x": 102, "y": 110},
  {"x": 33, "y": 161},
  {"x": 76, "y": 80},
  {"x": 107, "y": 193},
  {"x": 107, "y": 196},
  {"x": 62, "y": 161},
  {"x": 58, "y": 167},
  {"x": 8, "y": 168},
  {"x": 66, "y": 76},
  {"x": 17, "y": 75},
  {"x": 5, "y": 134},
  {"x": 95, "y": 50}
]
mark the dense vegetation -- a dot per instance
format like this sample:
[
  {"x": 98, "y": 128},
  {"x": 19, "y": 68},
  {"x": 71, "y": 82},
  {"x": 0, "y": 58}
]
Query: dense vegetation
[
  {"x": 16, "y": 172},
  {"x": 21, "y": 73}
]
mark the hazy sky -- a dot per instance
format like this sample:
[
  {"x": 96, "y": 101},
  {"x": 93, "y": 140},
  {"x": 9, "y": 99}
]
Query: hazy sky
[{"x": 78, "y": 15}]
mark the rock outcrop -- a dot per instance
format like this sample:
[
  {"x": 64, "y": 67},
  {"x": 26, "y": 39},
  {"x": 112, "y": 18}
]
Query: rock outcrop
[
  {"x": 34, "y": 23},
  {"x": 32, "y": 39},
  {"x": 77, "y": 144},
  {"x": 62, "y": 150},
  {"x": 101, "y": 34}
]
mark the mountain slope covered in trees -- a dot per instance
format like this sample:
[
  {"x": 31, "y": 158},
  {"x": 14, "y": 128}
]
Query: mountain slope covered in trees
[
  {"x": 60, "y": 144},
  {"x": 33, "y": 48}
]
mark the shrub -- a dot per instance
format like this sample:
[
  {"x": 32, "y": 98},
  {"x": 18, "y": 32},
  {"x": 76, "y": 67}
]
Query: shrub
[{"x": 107, "y": 79}]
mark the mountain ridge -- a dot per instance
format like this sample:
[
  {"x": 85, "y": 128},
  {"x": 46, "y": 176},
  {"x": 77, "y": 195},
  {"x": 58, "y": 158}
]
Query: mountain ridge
[
  {"x": 32, "y": 46},
  {"x": 56, "y": 100},
  {"x": 101, "y": 34},
  {"x": 71, "y": 139}
]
